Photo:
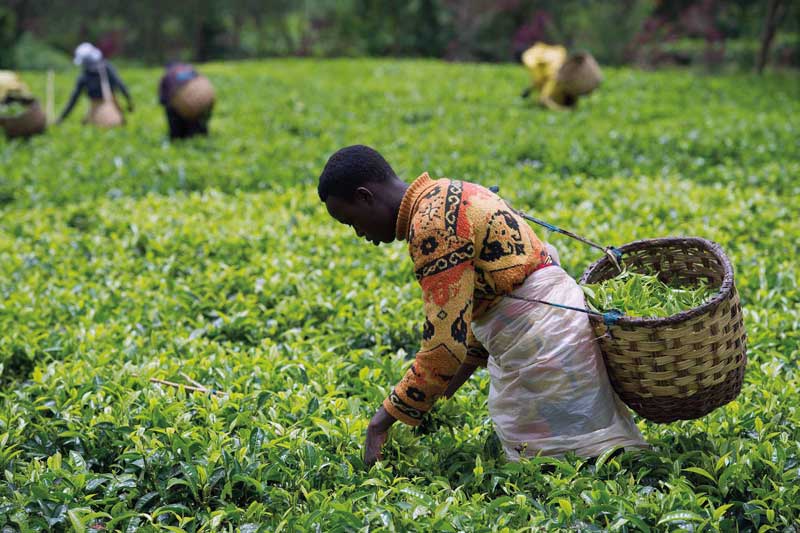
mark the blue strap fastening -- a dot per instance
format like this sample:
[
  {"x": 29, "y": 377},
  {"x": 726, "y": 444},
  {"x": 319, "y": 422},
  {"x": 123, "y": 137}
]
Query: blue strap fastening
[
  {"x": 609, "y": 317},
  {"x": 549, "y": 226},
  {"x": 612, "y": 317}
]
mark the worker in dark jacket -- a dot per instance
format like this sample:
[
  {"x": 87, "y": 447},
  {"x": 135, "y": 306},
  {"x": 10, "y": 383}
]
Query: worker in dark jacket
[
  {"x": 188, "y": 100},
  {"x": 93, "y": 66}
]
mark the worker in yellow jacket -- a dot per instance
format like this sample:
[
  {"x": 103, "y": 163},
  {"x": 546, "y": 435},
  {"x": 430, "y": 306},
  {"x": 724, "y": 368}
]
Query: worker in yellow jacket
[{"x": 560, "y": 78}]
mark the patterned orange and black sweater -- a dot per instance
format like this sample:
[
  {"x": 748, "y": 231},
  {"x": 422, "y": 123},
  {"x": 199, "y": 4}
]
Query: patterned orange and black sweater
[{"x": 469, "y": 249}]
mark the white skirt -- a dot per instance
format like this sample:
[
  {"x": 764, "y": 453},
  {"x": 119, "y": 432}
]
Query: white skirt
[{"x": 549, "y": 392}]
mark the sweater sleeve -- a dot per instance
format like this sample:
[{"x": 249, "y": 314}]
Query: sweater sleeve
[{"x": 444, "y": 267}]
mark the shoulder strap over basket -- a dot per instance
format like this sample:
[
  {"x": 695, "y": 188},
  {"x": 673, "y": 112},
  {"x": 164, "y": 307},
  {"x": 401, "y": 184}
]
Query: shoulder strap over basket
[
  {"x": 105, "y": 87},
  {"x": 614, "y": 255}
]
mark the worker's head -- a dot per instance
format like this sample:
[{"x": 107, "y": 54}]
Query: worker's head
[
  {"x": 87, "y": 54},
  {"x": 361, "y": 190},
  {"x": 174, "y": 63}
]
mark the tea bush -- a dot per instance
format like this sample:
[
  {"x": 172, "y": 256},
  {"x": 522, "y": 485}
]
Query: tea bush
[{"x": 125, "y": 258}]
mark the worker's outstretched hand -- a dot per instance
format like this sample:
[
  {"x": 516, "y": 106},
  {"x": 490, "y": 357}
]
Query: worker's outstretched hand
[{"x": 377, "y": 433}]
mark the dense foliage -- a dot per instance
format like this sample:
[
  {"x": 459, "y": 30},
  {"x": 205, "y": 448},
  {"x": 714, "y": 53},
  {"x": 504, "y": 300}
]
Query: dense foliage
[
  {"x": 707, "y": 32},
  {"x": 124, "y": 258}
]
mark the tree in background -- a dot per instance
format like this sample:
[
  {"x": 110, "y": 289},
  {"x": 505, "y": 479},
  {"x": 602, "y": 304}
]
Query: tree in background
[
  {"x": 776, "y": 10},
  {"x": 716, "y": 31},
  {"x": 8, "y": 37},
  {"x": 647, "y": 32}
]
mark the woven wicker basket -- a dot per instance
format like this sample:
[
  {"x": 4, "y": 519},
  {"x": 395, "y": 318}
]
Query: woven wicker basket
[
  {"x": 194, "y": 98},
  {"x": 105, "y": 113},
  {"x": 580, "y": 74},
  {"x": 31, "y": 122},
  {"x": 683, "y": 366}
]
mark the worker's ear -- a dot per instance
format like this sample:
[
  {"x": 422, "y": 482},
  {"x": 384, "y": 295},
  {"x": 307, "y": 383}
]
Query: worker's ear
[{"x": 364, "y": 195}]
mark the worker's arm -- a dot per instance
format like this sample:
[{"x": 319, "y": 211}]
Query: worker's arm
[{"x": 76, "y": 92}]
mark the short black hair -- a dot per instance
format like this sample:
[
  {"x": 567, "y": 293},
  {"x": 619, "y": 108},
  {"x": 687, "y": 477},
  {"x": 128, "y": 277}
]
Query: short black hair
[{"x": 350, "y": 168}]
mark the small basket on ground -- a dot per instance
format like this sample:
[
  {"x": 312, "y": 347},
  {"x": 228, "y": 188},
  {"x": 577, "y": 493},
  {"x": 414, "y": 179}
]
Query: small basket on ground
[
  {"x": 194, "y": 98},
  {"x": 30, "y": 122},
  {"x": 684, "y": 366}
]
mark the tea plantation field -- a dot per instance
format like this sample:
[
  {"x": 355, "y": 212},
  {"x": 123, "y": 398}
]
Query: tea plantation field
[{"x": 125, "y": 258}]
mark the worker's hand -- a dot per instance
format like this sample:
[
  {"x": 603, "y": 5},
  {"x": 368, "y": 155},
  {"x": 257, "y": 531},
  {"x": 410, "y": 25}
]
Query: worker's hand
[{"x": 377, "y": 433}]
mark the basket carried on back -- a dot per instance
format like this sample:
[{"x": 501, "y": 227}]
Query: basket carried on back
[
  {"x": 580, "y": 74},
  {"x": 30, "y": 122},
  {"x": 105, "y": 113},
  {"x": 194, "y": 98},
  {"x": 683, "y": 366}
]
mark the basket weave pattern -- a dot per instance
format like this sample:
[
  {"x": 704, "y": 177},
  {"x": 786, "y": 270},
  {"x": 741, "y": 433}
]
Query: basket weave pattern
[
  {"x": 683, "y": 366},
  {"x": 105, "y": 113},
  {"x": 580, "y": 74},
  {"x": 194, "y": 98}
]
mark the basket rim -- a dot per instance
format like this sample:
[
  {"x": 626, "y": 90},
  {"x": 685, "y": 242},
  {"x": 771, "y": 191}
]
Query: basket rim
[
  {"x": 185, "y": 84},
  {"x": 30, "y": 109},
  {"x": 725, "y": 289}
]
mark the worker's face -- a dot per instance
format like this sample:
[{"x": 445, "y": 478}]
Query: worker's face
[{"x": 371, "y": 218}]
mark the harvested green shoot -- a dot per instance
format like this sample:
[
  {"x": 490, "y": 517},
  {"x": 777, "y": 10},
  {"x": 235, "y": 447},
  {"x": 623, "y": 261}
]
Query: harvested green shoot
[
  {"x": 12, "y": 109},
  {"x": 644, "y": 295}
]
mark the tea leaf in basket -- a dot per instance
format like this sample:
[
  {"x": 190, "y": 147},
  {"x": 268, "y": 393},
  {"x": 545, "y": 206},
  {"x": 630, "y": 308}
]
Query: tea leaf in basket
[
  {"x": 12, "y": 109},
  {"x": 644, "y": 295}
]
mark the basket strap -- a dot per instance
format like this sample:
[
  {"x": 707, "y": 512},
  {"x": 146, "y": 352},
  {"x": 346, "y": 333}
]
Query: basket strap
[
  {"x": 105, "y": 87},
  {"x": 613, "y": 253},
  {"x": 609, "y": 317}
]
